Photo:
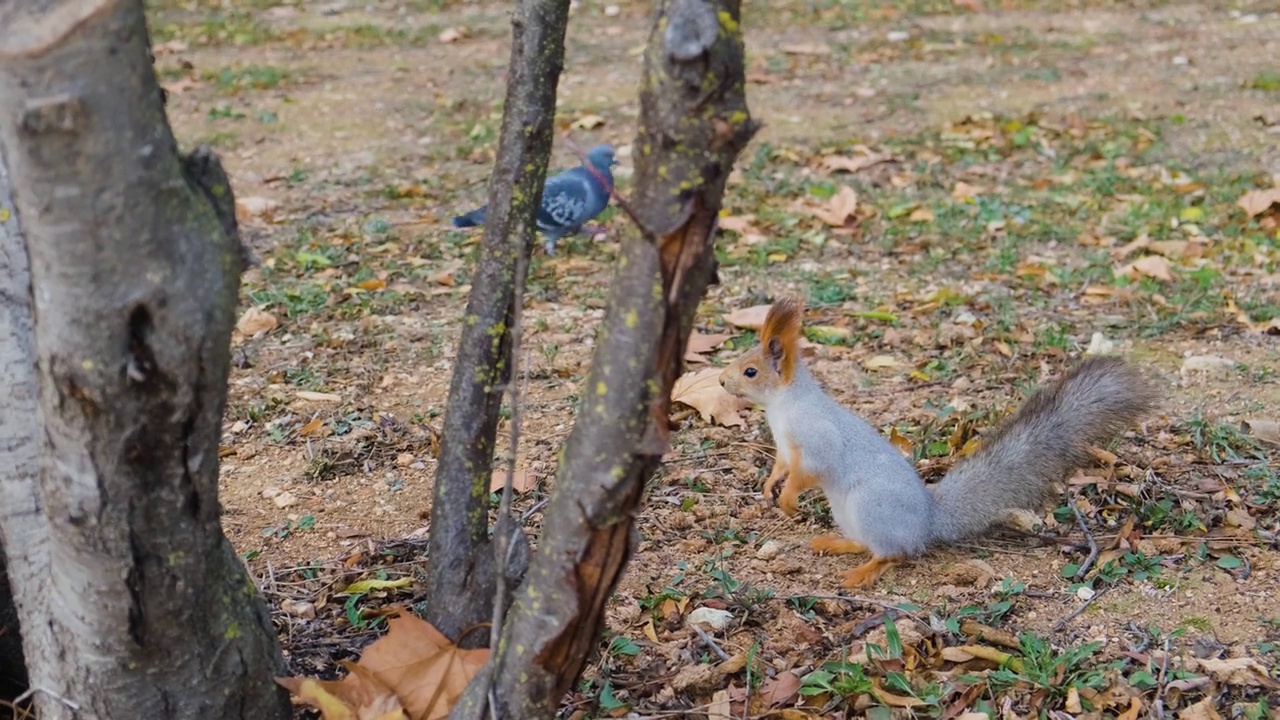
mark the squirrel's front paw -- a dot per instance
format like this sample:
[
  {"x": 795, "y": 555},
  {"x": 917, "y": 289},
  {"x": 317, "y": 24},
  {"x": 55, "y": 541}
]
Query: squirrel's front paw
[
  {"x": 787, "y": 502},
  {"x": 773, "y": 490}
]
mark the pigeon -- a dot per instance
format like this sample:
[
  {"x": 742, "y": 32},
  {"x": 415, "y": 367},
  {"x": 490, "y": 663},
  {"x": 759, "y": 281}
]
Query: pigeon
[{"x": 569, "y": 199}]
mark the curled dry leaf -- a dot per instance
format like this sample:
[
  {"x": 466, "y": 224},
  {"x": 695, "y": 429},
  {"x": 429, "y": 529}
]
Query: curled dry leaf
[
  {"x": 1267, "y": 431},
  {"x": 701, "y": 391},
  {"x": 256, "y": 321},
  {"x": 1256, "y": 202},
  {"x": 865, "y": 159},
  {"x": 1152, "y": 266},
  {"x": 751, "y": 318},
  {"x": 840, "y": 209},
  {"x": 588, "y": 122},
  {"x": 702, "y": 343}
]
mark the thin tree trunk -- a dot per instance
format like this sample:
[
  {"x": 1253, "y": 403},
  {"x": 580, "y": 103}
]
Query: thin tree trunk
[
  {"x": 462, "y": 575},
  {"x": 135, "y": 267},
  {"x": 694, "y": 122},
  {"x": 21, "y": 525}
]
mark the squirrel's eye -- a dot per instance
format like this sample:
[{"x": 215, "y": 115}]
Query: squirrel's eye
[{"x": 749, "y": 372}]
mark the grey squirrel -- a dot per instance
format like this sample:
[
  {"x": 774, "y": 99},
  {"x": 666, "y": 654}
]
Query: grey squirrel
[{"x": 877, "y": 499}]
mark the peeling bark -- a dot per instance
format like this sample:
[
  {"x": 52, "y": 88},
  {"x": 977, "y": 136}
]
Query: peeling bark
[
  {"x": 462, "y": 574},
  {"x": 694, "y": 123},
  {"x": 134, "y": 271}
]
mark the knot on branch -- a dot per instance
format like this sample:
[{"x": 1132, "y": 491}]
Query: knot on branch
[{"x": 692, "y": 28}]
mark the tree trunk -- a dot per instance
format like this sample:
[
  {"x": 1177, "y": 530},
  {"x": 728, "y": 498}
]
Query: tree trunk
[
  {"x": 135, "y": 267},
  {"x": 21, "y": 525},
  {"x": 694, "y": 122},
  {"x": 462, "y": 576}
]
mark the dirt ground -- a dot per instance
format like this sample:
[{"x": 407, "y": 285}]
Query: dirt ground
[{"x": 352, "y": 132}]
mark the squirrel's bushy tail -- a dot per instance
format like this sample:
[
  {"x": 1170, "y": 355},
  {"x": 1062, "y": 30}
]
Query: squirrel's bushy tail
[{"x": 1041, "y": 444}]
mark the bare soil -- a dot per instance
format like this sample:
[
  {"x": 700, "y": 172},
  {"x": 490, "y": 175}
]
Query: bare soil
[{"x": 367, "y": 131}]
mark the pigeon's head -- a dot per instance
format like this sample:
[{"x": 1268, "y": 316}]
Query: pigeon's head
[{"x": 602, "y": 157}]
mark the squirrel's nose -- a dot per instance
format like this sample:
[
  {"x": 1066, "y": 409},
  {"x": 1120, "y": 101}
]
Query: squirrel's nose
[{"x": 721, "y": 378}]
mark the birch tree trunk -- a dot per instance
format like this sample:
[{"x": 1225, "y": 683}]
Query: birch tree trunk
[
  {"x": 693, "y": 124},
  {"x": 462, "y": 567},
  {"x": 135, "y": 266}
]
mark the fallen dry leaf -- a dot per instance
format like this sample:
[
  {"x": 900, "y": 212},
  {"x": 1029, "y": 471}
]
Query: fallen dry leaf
[
  {"x": 881, "y": 362},
  {"x": 315, "y": 428},
  {"x": 256, "y": 321},
  {"x": 358, "y": 696},
  {"x": 521, "y": 480},
  {"x": 701, "y": 391},
  {"x": 701, "y": 343},
  {"x": 1203, "y": 710},
  {"x": 453, "y": 34},
  {"x": 839, "y": 163},
  {"x": 318, "y": 396},
  {"x": 806, "y": 49},
  {"x": 1152, "y": 266},
  {"x": 1267, "y": 431},
  {"x": 1244, "y": 671},
  {"x": 250, "y": 208},
  {"x": 840, "y": 208},
  {"x": 780, "y": 689},
  {"x": 1256, "y": 202},
  {"x": 741, "y": 224},
  {"x": 588, "y": 122},
  {"x": 425, "y": 670},
  {"x": 719, "y": 707},
  {"x": 751, "y": 318}
]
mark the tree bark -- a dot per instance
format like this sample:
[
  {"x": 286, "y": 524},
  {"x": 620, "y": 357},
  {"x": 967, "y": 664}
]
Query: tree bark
[
  {"x": 462, "y": 576},
  {"x": 135, "y": 267},
  {"x": 694, "y": 122},
  {"x": 21, "y": 526}
]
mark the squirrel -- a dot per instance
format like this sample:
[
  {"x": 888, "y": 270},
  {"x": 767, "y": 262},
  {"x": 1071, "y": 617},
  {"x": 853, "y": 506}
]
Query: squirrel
[{"x": 877, "y": 498}]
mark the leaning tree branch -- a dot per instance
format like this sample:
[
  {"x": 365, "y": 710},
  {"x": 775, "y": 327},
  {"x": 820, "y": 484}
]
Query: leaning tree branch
[
  {"x": 462, "y": 577},
  {"x": 694, "y": 123}
]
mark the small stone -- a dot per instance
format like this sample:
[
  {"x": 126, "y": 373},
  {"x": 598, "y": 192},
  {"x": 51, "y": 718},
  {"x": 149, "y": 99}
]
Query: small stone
[
  {"x": 769, "y": 550},
  {"x": 712, "y": 618},
  {"x": 898, "y": 35},
  {"x": 270, "y": 492},
  {"x": 404, "y": 459},
  {"x": 284, "y": 499}
]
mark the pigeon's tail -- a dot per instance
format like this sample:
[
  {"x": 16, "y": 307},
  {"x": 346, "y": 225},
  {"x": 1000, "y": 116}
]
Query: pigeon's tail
[{"x": 472, "y": 219}]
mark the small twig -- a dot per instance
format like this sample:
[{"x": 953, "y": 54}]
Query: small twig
[
  {"x": 1093, "y": 544},
  {"x": 529, "y": 513},
  {"x": 1157, "y": 707},
  {"x": 869, "y": 601},
  {"x": 709, "y": 642},
  {"x": 1085, "y": 606}
]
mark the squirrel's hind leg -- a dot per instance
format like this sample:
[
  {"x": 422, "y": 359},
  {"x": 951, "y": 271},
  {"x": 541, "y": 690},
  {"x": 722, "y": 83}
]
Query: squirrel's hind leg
[
  {"x": 834, "y": 544},
  {"x": 866, "y": 574}
]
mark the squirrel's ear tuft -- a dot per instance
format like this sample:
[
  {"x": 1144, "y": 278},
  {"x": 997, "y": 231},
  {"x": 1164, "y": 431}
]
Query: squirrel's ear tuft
[{"x": 780, "y": 335}]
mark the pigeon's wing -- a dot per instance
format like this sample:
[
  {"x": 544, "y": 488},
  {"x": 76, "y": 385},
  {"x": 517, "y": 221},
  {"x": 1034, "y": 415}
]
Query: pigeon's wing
[{"x": 564, "y": 202}]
